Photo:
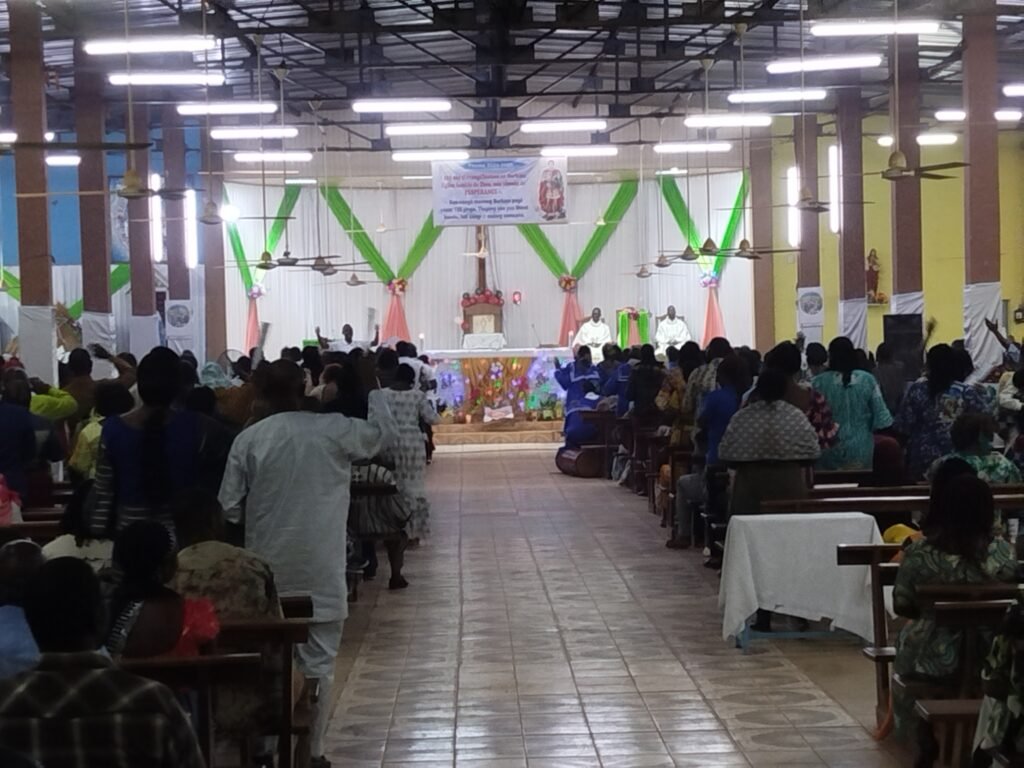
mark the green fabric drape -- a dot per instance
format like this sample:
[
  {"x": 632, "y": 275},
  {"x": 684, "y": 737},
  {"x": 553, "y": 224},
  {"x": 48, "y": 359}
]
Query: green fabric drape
[
  {"x": 284, "y": 210},
  {"x": 621, "y": 200},
  {"x": 733, "y": 224},
  {"x": 535, "y": 236},
  {"x": 429, "y": 233},
  {"x": 623, "y": 336},
  {"x": 13, "y": 285},
  {"x": 237, "y": 249},
  {"x": 362, "y": 241},
  {"x": 549, "y": 256}
]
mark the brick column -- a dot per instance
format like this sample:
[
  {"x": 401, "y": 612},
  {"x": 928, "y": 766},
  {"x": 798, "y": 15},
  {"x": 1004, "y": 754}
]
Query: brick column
[
  {"x": 805, "y": 140},
  {"x": 144, "y": 329},
  {"x": 762, "y": 238},
  {"x": 212, "y": 240},
  {"x": 853, "y": 308}
]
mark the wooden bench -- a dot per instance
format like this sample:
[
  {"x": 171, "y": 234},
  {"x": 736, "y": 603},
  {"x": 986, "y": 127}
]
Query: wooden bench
[
  {"x": 200, "y": 674},
  {"x": 42, "y": 532},
  {"x": 605, "y": 422},
  {"x": 887, "y": 510},
  {"x": 282, "y": 635},
  {"x": 826, "y": 492},
  {"x": 879, "y": 652},
  {"x": 843, "y": 476},
  {"x": 35, "y": 515},
  {"x": 949, "y": 722}
]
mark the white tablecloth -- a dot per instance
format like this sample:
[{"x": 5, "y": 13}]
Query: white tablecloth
[
  {"x": 563, "y": 353},
  {"x": 489, "y": 341},
  {"x": 787, "y": 564}
]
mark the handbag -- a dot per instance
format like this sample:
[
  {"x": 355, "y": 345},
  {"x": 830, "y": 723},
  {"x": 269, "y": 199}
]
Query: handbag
[{"x": 376, "y": 508}]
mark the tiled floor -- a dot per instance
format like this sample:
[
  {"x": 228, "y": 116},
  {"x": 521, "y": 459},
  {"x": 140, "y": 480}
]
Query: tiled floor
[{"x": 547, "y": 625}]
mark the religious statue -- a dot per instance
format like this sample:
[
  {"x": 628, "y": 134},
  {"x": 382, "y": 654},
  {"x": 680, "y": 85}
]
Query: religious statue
[
  {"x": 551, "y": 193},
  {"x": 872, "y": 273},
  {"x": 594, "y": 333},
  {"x": 672, "y": 332}
]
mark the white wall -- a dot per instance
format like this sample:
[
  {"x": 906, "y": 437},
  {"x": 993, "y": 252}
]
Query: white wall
[{"x": 299, "y": 300}]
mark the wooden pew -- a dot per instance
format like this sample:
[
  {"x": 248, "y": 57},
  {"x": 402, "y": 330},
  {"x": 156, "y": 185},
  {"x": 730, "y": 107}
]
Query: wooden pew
[
  {"x": 843, "y": 476},
  {"x": 950, "y": 722},
  {"x": 880, "y": 651},
  {"x": 200, "y": 674},
  {"x": 888, "y": 510},
  {"x": 819, "y": 492},
  {"x": 41, "y": 533},
  {"x": 35, "y": 515},
  {"x": 604, "y": 421},
  {"x": 283, "y": 635}
]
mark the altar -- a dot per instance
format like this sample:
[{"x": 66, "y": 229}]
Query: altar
[{"x": 512, "y": 383}]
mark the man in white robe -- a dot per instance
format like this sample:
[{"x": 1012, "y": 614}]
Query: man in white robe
[
  {"x": 672, "y": 332},
  {"x": 594, "y": 333},
  {"x": 288, "y": 478}
]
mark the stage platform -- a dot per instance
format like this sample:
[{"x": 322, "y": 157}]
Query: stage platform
[{"x": 499, "y": 433}]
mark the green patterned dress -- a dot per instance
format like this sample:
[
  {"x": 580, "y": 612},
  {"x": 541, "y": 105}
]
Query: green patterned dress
[
  {"x": 1001, "y": 721},
  {"x": 924, "y": 651}
]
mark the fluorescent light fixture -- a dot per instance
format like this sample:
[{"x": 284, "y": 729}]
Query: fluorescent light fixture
[
  {"x": 416, "y": 178},
  {"x": 936, "y": 139},
  {"x": 950, "y": 115},
  {"x": 875, "y": 28},
  {"x": 227, "y": 108},
  {"x": 191, "y": 230},
  {"x": 728, "y": 120},
  {"x": 302, "y": 182},
  {"x": 773, "y": 95},
  {"x": 1009, "y": 115},
  {"x": 255, "y": 132},
  {"x": 824, "y": 63},
  {"x": 8, "y": 137},
  {"x": 562, "y": 126},
  {"x": 229, "y": 212},
  {"x": 581, "y": 150},
  {"x": 153, "y": 44},
  {"x": 401, "y": 105},
  {"x": 427, "y": 155},
  {"x": 63, "y": 161},
  {"x": 792, "y": 212},
  {"x": 673, "y": 171},
  {"x": 166, "y": 78},
  {"x": 427, "y": 129},
  {"x": 689, "y": 147},
  {"x": 49, "y": 136},
  {"x": 582, "y": 173},
  {"x": 1013, "y": 89},
  {"x": 273, "y": 157},
  {"x": 834, "y": 192},
  {"x": 156, "y": 219},
  {"x": 885, "y": 141}
]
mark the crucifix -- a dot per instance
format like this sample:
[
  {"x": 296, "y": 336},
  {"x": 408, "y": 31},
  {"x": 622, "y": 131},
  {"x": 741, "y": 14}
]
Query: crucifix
[{"x": 481, "y": 310}]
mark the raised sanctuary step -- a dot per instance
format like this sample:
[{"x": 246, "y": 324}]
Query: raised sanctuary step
[{"x": 498, "y": 433}]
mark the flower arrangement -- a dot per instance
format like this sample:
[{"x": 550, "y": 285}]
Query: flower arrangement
[
  {"x": 567, "y": 283},
  {"x": 708, "y": 281},
  {"x": 482, "y": 296},
  {"x": 257, "y": 291},
  {"x": 397, "y": 286}
]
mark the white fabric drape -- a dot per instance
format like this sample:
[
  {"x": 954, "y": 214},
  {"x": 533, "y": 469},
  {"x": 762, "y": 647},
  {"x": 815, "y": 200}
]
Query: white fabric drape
[
  {"x": 910, "y": 303},
  {"x": 982, "y": 302},
  {"x": 853, "y": 321},
  {"x": 297, "y": 300}
]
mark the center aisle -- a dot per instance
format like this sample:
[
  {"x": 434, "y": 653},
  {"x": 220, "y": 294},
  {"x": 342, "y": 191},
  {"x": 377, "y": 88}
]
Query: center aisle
[{"x": 547, "y": 625}]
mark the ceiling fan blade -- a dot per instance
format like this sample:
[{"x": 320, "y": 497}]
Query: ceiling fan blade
[
  {"x": 933, "y": 176},
  {"x": 942, "y": 166}
]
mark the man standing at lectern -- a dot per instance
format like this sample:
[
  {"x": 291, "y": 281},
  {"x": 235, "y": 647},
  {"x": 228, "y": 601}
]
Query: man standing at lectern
[
  {"x": 672, "y": 332},
  {"x": 594, "y": 333}
]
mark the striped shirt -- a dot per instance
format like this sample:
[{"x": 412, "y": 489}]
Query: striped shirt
[{"x": 77, "y": 710}]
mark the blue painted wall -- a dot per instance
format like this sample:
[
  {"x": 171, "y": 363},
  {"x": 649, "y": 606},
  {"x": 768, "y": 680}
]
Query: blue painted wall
[{"x": 65, "y": 237}]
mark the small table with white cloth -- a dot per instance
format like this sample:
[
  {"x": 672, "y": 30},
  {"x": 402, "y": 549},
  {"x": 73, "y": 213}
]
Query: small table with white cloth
[{"x": 787, "y": 564}]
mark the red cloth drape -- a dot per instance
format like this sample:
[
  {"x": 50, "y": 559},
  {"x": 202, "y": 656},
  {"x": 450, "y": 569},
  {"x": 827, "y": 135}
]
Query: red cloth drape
[
  {"x": 395, "y": 324},
  {"x": 571, "y": 316},
  {"x": 714, "y": 325},
  {"x": 252, "y": 326}
]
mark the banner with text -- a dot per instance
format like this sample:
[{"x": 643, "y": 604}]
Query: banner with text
[{"x": 501, "y": 190}]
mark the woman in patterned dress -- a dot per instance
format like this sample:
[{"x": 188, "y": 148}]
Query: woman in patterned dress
[
  {"x": 408, "y": 405},
  {"x": 959, "y": 548}
]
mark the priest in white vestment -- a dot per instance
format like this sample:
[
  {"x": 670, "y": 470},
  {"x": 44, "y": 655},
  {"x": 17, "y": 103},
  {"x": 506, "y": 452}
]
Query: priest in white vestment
[
  {"x": 672, "y": 332},
  {"x": 594, "y": 333},
  {"x": 288, "y": 478}
]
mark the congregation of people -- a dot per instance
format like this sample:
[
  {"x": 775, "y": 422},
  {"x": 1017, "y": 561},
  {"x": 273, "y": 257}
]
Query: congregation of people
[
  {"x": 758, "y": 429},
  {"x": 199, "y": 495}
]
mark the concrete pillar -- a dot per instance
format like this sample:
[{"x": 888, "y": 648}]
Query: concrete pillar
[
  {"x": 37, "y": 339},
  {"x": 982, "y": 295},
  {"x": 853, "y": 308},
  {"x": 145, "y": 323},
  {"x": 810, "y": 310},
  {"x": 212, "y": 239},
  {"x": 761, "y": 237},
  {"x": 93, "y": 205},
  {"x": 907, "y": 287}
]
